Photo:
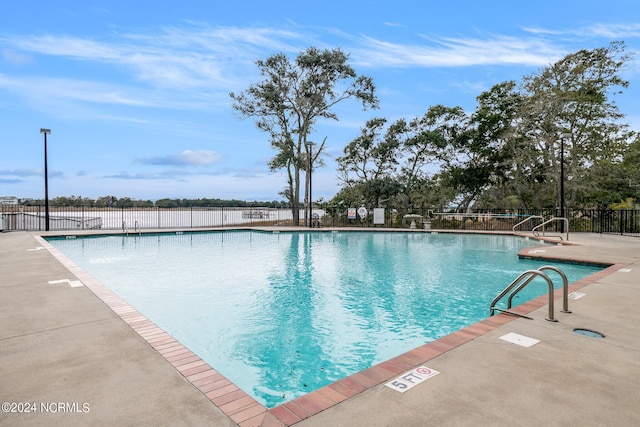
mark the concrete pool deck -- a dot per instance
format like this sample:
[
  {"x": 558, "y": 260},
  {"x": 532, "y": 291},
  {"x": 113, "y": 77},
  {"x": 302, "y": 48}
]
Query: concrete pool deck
[{"x": 75, "y": 355}]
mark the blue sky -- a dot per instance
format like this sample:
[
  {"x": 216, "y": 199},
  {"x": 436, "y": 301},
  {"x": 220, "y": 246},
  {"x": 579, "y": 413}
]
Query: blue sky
[{"x": 136, "y": 93}]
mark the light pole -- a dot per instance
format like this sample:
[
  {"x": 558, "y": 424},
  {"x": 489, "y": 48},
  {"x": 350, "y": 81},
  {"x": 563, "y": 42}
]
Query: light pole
[
  {"x": 562, "y": 215},
  {"x": 46, "y": 181},
  {"x": 310, "y": 149}
]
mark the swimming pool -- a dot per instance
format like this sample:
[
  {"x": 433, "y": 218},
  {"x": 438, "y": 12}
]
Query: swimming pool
[{"x": 282, "y": 314}]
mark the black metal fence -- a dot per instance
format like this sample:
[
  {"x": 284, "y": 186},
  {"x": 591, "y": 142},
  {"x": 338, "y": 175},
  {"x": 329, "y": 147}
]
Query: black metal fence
[{"x": 624, "y": 222}]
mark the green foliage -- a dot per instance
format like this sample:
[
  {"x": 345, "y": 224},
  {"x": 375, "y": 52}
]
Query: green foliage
[
  {"x": 444, "y": 223},
  {"x": 126, "y": 202},
  {"x": 629, "y": 203},
  {"x": 290, "y": 100},
  {"x": 510, "y": 151},
  {"x": 71, "y": 201}
]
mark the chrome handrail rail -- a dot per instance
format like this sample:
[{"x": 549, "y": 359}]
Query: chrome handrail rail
[
  {"x": 525, "y": 220},
  {"x": 566, "y": 221},
  {"x": 565, "y": 288},
  {"x": 529, "y": 275}
]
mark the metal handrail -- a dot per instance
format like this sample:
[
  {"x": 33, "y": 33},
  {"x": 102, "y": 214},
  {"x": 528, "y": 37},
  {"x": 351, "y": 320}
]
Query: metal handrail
[
  {"x": 565, "y": 288},
  {"x": 136, "y": 228},
  {"x": 529, "y": 274},
  {"x": 533, "y": 230},
  {"x": 525, "y": 220}
]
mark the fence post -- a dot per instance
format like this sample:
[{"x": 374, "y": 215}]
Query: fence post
[{"x": 601, "y": 217}]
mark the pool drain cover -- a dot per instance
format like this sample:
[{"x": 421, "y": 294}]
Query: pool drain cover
[{"x": 588, "y": 333}]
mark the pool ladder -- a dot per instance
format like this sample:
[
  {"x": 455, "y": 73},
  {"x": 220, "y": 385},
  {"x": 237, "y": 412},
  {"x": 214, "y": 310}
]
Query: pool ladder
[
  {"x": 535, "y": 231},
  {"x": 523, "y": 280},
  {"x": 136, "y": 228}
]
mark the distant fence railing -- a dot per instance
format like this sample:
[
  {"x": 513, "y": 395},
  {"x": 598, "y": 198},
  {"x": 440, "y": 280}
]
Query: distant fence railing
[
  {"x": 625, "y": 222},
  {"x": 88, "y": 218}
]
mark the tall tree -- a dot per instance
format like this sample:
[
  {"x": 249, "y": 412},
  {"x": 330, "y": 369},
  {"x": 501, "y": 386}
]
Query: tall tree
[
  {"x": 369, "y": 162},
  {"x": 613, "y": 182},
  {"x": 478, "y": 158},
  {"x": 292, "y": 97},
  {"x": 392, "y": 163},
  {"x": 570, "y": 115},
  {"x": 424, "y": 142}
]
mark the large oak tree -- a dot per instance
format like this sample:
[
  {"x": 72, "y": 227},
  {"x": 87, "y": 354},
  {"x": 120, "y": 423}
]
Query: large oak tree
[{"x": 292, "y": 97}]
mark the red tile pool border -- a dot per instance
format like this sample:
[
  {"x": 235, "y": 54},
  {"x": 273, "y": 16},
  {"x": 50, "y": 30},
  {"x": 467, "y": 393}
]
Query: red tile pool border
[{"x": 243, "y": 409}]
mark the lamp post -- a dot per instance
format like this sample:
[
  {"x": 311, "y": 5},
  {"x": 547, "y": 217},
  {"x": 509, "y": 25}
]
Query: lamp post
[
  {"x": 46, "y": 181},
  {"x": 562, "y": 215},
  {"x": 310, "y": 149}
]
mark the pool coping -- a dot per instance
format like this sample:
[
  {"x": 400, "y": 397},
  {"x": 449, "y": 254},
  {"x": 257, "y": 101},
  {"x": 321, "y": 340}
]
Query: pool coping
[{"x": 244, "y": 409}]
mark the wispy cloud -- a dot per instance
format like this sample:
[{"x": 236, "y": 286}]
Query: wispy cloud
[
  {"x": 137, "y": 176},
  {"x": 15, "y": 58},
  {"x": 189, "y": 68},
  {"x": 191, "y": 57},
  {"x": 79, "y": 90},
  {"x": 186, "y": 174},
  {"x": 608, "y": 31},
  {"x": 186, "y": 158},
  {"x": 195, "y": 67},
  {"x": 11, "y": 181},
  {"x": 20, "y": 172},
  {"x": 14, "y": 176},
  {"x": 81, "y": 98},
  {"x": 457, "y": 52},
  {"x": 202, "y": 58}
]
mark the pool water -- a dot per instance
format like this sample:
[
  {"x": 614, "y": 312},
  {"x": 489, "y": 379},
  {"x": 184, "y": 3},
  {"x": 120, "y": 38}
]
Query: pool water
[{"x": 282, "y": 314}]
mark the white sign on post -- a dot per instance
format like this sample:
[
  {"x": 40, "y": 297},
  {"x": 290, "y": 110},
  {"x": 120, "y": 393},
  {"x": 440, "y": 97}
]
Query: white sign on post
[
  {"x": 378, "y": 215},
  {"x": 362, "y": 212}
]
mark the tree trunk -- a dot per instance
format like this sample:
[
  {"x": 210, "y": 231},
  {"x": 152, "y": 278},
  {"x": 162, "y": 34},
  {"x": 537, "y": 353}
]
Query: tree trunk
[
  {"x": 295, "y": 206},
  {"x": 307, "y": 202}
]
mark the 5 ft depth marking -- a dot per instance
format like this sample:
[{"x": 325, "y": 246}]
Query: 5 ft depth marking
[{"x": 411, "y": 379}]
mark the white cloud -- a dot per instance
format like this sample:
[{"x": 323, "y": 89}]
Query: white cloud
[
  {"x": 193, "y": 57},
  {"x": 15, "y": 58},
  {"x": 457, "y": 52},
  {"x": 604, "y": 30},
  {"x": 24, "y": 172},
  {"x": 186, "y": 158},
  {"x": 72, "y": 89},
  {"x": 393, "y": 24},
  {"x": 195, "y": 67}
]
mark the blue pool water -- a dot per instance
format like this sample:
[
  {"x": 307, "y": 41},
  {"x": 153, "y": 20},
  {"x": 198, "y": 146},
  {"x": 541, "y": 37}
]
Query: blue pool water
[{"x": 282, "y": 314}]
